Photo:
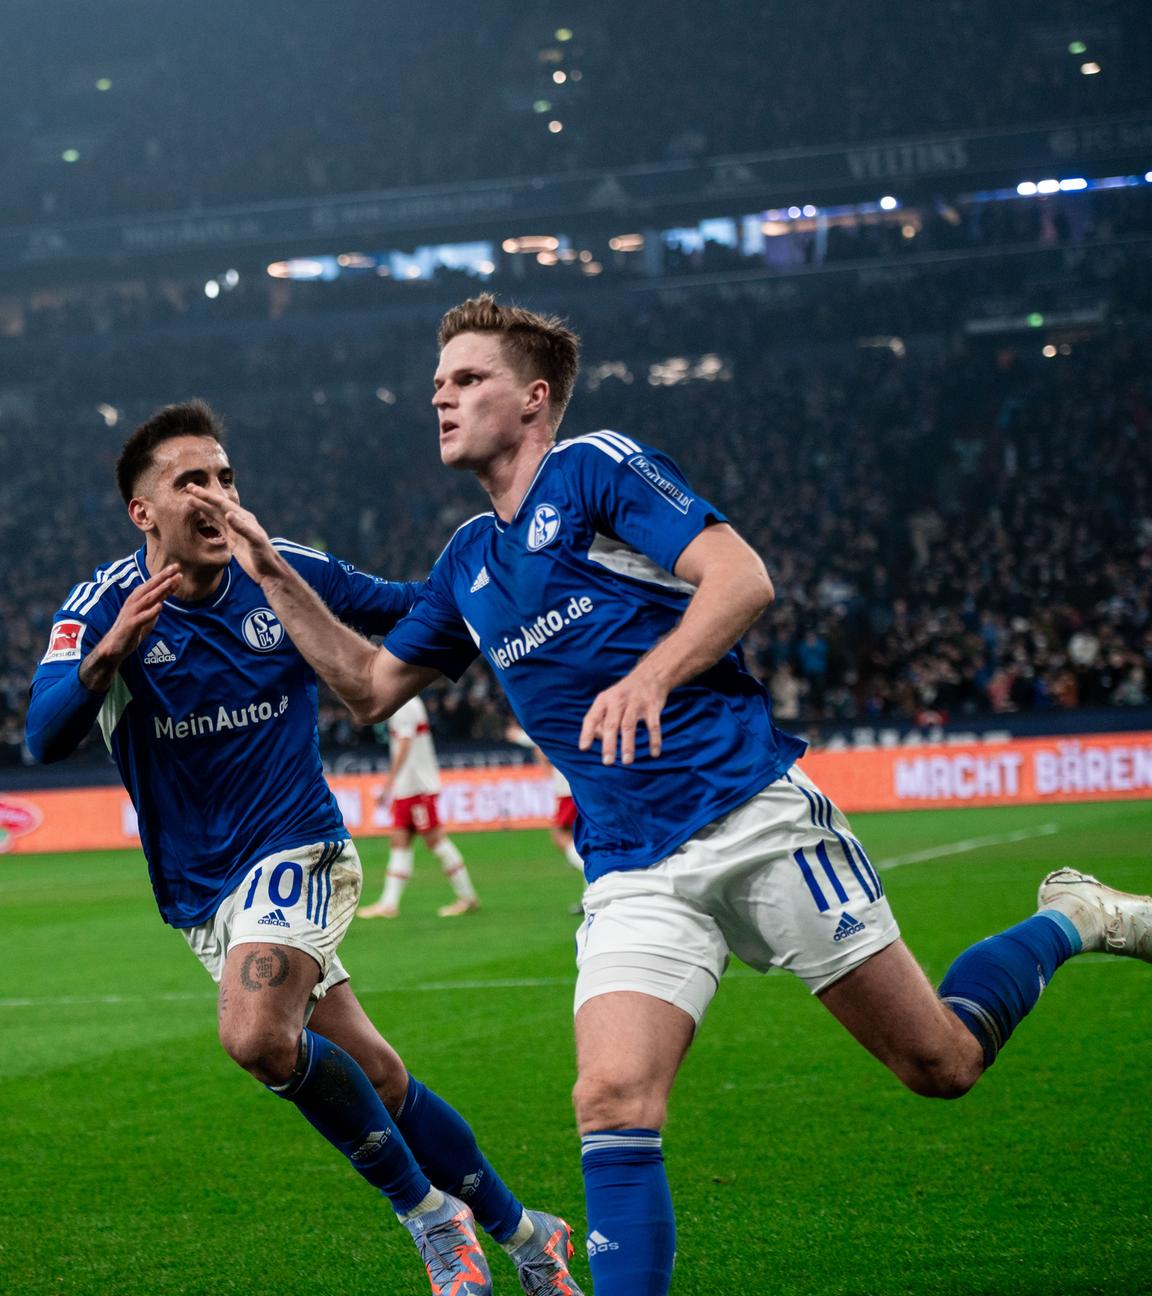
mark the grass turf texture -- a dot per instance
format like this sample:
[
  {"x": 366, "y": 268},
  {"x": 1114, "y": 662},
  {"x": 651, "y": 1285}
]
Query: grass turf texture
[{"x": 138, "y": 1161}]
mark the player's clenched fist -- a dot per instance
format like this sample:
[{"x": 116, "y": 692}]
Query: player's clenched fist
[{"x": 616, "y": 713}]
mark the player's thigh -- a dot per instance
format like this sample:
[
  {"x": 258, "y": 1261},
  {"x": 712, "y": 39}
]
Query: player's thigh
[
  {"x": 264, "y": 993},
  {"x": 341, "y": 1018},
  {"x": 632, "y": 1038}
]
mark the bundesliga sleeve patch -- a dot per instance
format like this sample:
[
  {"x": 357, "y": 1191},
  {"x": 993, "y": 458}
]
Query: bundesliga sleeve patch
[
  {"x": 64, "y": 642},
  {"x": 662, "y": 485}
]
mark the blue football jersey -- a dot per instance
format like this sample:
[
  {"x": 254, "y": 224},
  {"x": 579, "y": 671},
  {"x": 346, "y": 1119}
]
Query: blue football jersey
[
  {"x": 212, "y": 720},
  {"x": 563, "y": 601}
]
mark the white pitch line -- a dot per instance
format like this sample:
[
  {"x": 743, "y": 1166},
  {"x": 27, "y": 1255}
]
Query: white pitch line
[
  {"x": 437, "y": 987},
  {"x": 434, "y": 987},
  {"x": 971, "y": 844}
]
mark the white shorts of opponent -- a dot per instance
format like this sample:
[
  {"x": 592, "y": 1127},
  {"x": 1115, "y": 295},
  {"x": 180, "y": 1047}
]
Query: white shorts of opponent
[
  {"x": 305, "y": 897},
  {"x": 780, "y": 881}
]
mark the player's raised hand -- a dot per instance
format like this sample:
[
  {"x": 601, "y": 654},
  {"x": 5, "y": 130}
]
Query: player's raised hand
[
  {"x": 615, "y": 714},
  {"x": 138, "y": 614},
  {"x": 251, "y": 546}
]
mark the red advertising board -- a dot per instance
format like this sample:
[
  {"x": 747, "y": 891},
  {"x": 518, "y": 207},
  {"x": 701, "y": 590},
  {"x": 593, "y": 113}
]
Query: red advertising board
[{"x": 1031, "y": 771}]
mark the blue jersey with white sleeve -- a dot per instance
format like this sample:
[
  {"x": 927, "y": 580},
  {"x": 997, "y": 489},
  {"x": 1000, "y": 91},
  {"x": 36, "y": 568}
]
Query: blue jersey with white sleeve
[
  {"x": 211, "y": 721},
  {"x": 563, "y": 601}
]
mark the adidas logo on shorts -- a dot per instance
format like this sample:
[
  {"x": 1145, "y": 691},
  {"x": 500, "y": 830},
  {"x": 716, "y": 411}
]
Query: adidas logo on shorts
[
  {"x": 274, "y": 919},
  {"x": 848, "y": 926}
]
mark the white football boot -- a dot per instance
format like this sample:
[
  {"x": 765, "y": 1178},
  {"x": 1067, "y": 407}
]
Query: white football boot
[{"x": 1109, "y": 922}]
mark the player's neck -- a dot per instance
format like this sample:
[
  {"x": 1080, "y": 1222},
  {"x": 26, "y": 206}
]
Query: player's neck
[
  {"x": 196, "y": 583},
  {"x": 507, "y": 479}
]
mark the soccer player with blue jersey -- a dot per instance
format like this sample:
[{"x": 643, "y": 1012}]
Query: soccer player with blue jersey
[
  {"x": 609, "y": 598},
  {"x": 210, "y": 713}
]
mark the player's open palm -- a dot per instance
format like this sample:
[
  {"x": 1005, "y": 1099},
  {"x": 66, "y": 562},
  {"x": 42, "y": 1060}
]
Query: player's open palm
[{"x": 139, "y": 613}]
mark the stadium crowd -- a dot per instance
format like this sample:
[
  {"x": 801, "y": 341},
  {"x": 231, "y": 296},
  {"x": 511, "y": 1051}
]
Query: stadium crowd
[
  {"x": 961, "y": 529},
  {"x": 326, "y": 102},
  {"x": 1115, "y": 220}
]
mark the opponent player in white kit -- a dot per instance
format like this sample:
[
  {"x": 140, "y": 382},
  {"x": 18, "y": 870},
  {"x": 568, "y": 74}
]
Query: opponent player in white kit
[
  {"x": 610, "y": 598},
  {"x": 415, "y": 783}
]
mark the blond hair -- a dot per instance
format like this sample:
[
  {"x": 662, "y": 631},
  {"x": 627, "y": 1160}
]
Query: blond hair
[{"x": 539, "y": 346}]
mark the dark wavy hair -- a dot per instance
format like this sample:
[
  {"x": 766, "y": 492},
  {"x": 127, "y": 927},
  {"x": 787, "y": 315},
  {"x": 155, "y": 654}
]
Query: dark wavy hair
[{"x": 190, "y": 418}]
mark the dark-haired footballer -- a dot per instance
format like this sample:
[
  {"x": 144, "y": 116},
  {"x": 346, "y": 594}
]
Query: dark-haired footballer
[{"x": 210, "y": 713}]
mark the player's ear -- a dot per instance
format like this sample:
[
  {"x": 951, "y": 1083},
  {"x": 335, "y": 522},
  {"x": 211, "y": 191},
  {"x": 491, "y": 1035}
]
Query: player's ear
[
  {"x": 141, "y": 515},
  {"x": 538, "y": 396}
]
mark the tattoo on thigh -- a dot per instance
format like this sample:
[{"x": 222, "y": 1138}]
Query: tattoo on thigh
[{"x": 259, "y": 970}]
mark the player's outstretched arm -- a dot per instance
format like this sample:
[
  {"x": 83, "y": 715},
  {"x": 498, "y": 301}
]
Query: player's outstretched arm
[
  {"x": 732, "y": 590},
  {"x": 370, "y": 681}
]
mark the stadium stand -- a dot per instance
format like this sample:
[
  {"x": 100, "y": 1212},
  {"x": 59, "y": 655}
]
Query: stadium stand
[
  {"x": 256, "y": 110},
  {"x": 930, "y": 415},
  {"x": 955, "y": 531}
]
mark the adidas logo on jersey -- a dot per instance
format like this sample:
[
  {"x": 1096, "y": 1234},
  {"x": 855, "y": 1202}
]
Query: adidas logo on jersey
[
  {"x": 598, "y": 1243},
  {"x": 274, "y": 919},
  {"x": 158, "y": 654},
  {"x": 482, "y": 579},
  {"x": 848, "y": 926}
]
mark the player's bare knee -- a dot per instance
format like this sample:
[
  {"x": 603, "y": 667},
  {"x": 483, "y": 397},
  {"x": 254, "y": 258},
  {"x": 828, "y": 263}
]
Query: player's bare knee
[
  {"x": 267, "y": 1051},
  {"x": 389, "y": 1077},
  {"x": 949, "y": 1075},
  {"x": 617, "y": 1102}
]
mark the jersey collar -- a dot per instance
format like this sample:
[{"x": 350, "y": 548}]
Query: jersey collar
[
  {"x": 181, "y": 605},
  {"x": 502, "y": 526}
]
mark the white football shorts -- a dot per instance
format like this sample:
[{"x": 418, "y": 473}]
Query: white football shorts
[
  {"x": 780, "y": 881},
  {"x": 305, "y": 897}
]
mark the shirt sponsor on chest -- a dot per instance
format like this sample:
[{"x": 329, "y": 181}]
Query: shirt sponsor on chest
[
  {"x": 546, "y": 626},
  {"x": 221, "y": 720}
]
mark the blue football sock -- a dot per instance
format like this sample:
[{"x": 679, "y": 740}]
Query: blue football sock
[
  {"x": 443, "y": 1143},
  {"x": 631, "y": 1225},
  {"x": 337, "y": 1099},
  {"x": 995, "y": 984}
]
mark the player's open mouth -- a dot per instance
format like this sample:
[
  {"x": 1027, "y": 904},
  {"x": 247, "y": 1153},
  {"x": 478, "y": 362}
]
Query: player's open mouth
[
  {"x": 445, "y": 428},
  {"x": 210, "y": 532}
]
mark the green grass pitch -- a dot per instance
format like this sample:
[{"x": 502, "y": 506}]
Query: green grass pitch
[{"x": 136, "y": 1160}]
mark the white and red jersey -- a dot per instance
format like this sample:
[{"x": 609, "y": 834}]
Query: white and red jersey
[{"x": 420, "y": 773}]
